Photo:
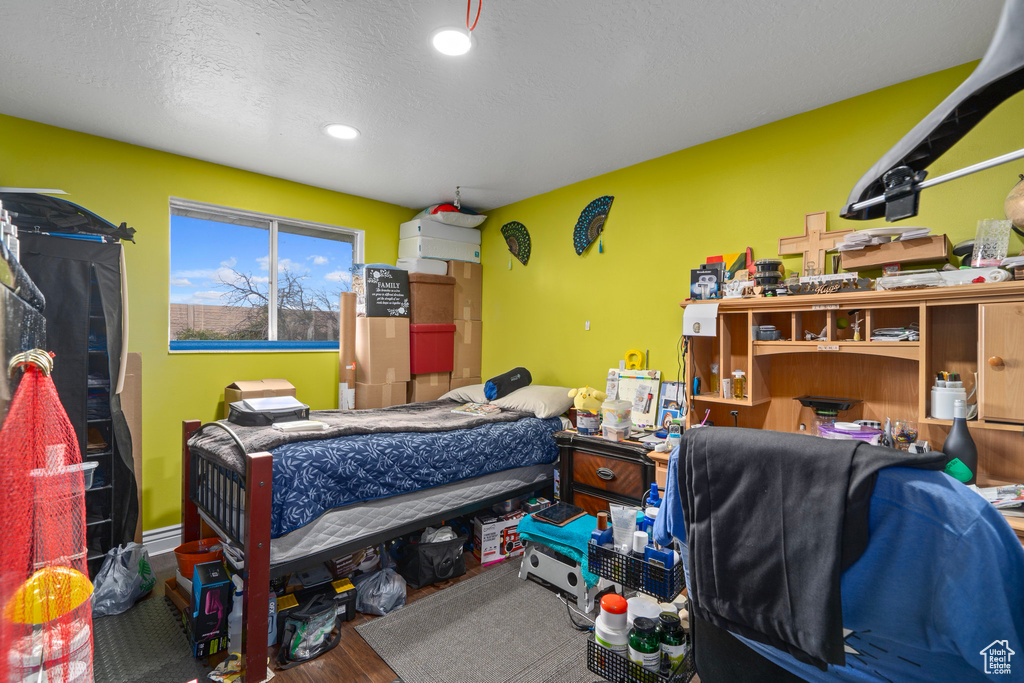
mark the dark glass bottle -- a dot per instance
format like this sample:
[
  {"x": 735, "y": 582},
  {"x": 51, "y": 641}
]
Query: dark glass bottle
[
  {"x": 959, "y": 445},
  {"x": 644, "y": 645},
  {"x": 673, "y": 641}
]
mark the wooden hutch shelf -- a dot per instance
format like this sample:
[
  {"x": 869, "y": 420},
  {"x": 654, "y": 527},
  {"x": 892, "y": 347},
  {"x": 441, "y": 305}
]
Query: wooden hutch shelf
[
  {"x": 908, "y": 350},
  {"x": 975, "y": 330},
  {"x": 715, "y": 398}
]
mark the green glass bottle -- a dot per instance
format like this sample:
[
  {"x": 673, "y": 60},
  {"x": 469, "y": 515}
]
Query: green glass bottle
[
  {"x": 644, "y": 644},
  {"x": 673, "y": 641}
]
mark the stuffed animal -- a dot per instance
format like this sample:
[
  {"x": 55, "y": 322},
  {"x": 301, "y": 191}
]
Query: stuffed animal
[{"x": 588, "y": 399}]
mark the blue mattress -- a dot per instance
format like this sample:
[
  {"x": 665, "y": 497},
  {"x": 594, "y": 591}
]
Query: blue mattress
[{"x": 312, "y": 477}]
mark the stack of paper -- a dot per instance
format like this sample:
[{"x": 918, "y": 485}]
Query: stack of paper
[
  {"x": 300, "y": 426},
  {"x": 884, "y": 235},
  {"x": 273, "y": 403},
  {"x": 914, "y": 233},
  {"x": 1002, "y": 496}
]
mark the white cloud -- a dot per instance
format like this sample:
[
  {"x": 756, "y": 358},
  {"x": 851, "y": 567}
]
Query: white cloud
[
  {"x": 181, "y": 282},
  {"x": 230, "y": 263},
  {"x": 287, "y": 265},
  {"x": 209, "y": 296},
  {"x": 264, "y": 262},
  {"x": 199, "y": 274},
  {"x": 318, "y": 260},
  {"x": 260, "y": 279},
  {"x": 339, "y": 276}
]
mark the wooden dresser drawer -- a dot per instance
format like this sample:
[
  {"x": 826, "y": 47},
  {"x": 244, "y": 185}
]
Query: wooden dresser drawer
[
  {"x": 610, "y": 474},
  {"x": 590, "y": 504}
]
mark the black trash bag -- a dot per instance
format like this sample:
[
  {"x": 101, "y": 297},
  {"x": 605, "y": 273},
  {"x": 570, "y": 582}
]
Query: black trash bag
[{"x": 379, "y": 592}]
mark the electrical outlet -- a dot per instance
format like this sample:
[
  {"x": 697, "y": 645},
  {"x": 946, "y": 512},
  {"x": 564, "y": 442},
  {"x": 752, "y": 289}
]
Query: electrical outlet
[{"x": 586, "y": 326}]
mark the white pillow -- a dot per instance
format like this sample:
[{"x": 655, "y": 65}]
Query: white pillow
[
  {"x": 543, "y": 401},
  {"x": 464, "y": 220},
  {"x": 473, "y": 393}
]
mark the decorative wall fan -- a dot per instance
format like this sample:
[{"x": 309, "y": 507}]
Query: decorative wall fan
[
  {"x": 518, "y": 239},
  {"x": 591, "y": 223}
]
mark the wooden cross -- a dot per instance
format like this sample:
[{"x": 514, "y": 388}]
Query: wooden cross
[{"x": 815, "y": 241}]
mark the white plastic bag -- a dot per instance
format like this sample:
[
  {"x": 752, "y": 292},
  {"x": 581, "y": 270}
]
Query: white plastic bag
[
  {"x": 124, "y": 578},
  {"x": 432, "y": 535},
  {"x": 379, "y": 592}
]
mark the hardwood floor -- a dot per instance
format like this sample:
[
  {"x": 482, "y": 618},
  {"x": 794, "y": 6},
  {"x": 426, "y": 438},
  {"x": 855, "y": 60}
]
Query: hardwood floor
[{"x": 353, "y": 661}]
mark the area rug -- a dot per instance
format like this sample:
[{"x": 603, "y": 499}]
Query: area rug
[
  {"x": 145, "y": 644},
  {"x": 492, "y": 628}
]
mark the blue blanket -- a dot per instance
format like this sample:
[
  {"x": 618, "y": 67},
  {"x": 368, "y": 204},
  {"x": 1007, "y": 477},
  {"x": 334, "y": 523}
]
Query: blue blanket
[{"x": 312, "y": 477}]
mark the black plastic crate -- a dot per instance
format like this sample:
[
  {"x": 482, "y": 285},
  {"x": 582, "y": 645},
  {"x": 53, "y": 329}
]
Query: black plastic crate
[
  {"x": 617, "y": 668},
  {"x": 645, "y": 577}
]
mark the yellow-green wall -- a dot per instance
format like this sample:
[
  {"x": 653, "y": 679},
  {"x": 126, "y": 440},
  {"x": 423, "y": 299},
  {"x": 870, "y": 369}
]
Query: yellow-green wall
[
  {"x": 670, "y": 213},
  {"x": 123, "y": 182}
]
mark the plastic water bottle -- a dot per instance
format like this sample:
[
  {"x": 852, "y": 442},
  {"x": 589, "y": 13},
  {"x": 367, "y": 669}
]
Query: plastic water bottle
[{"x": 235, "y": 618}]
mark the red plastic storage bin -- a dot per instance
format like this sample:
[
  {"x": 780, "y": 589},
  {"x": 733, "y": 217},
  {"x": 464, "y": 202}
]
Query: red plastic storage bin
[{"x": 431, "y": 348}]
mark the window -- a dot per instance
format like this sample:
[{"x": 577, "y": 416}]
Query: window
[{"x": 248, "y": 281}]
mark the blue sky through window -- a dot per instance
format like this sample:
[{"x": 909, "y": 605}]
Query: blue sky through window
[{"x": 207, "y": 256}]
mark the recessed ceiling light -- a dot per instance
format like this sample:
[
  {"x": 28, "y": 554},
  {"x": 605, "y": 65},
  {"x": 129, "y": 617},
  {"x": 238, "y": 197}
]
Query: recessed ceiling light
[
  {"x": 341, "y": 131},
  {"x": 452, "y": 42}
]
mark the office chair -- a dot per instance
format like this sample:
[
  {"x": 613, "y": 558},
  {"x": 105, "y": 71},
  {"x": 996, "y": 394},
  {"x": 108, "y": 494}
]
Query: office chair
[{"x": 940, "y": 580}]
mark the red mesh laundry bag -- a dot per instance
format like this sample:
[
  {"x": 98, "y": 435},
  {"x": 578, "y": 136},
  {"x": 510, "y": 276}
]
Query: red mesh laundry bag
[{"x": 45, "y": 610}]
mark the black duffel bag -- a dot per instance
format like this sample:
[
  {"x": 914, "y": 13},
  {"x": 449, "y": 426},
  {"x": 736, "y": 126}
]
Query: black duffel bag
[{"x": 427, "y": 563}]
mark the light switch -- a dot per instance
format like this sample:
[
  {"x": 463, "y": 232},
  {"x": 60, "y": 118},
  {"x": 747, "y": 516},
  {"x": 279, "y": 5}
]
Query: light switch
[{"x": 586, "y": 326}]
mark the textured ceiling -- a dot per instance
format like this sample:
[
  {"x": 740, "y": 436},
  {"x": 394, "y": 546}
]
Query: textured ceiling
[{"x": 552, "y": 93}]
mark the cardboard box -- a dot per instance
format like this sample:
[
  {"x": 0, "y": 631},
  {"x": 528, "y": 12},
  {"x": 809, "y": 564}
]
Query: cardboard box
[
  {"x": 365, "y": 560},
  {"x": 432, "y": 299},
  {"x": 468, "y": 349},
  {"x": 428, "y": 387},
  {"x": 382, "y": 350},
  {"x": 464, "y": 382},
  {"x": 204, "y": 647},
  {"x": 385, "y": 293},
  {"x": 469, "y": 288},
  {"x": 259, "y": 388},
  {"x": 380, "y": 395},
  {"x": 209, "y": 604},
  {"x": 431, "y": 348},
  {"x": 496, "y": 537},
  {"x": 704, "y": 283},
  {"x": 931, "y": 249}
]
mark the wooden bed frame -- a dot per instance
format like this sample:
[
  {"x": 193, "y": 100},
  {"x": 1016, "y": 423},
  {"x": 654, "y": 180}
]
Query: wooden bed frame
[{"x": 218, "y": 505}]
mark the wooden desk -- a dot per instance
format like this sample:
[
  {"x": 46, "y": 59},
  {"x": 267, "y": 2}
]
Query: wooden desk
[
  {"x": 1016, "y": 523},
  {"x": 660, "y": 468}
]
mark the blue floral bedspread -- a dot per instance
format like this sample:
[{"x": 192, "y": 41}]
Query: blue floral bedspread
[{"x": 312, "y": 477}]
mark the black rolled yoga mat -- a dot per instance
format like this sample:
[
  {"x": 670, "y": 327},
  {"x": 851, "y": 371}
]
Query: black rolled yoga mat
[{"x": 492, "y": 627}]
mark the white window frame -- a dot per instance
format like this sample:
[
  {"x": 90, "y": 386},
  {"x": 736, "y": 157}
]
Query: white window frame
[{"x": 227, "y": 212}]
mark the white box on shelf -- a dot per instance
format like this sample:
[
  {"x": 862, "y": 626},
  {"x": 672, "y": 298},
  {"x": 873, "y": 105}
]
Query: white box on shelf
[
  {"x": 432, "y": 247},
  {"x": 424, "y": 227},
  {"x": 429, "y": 266}
]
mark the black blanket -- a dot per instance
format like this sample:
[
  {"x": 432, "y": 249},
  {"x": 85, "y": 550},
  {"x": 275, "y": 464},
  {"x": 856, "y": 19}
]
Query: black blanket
[{"x": 771, "y": 521}]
